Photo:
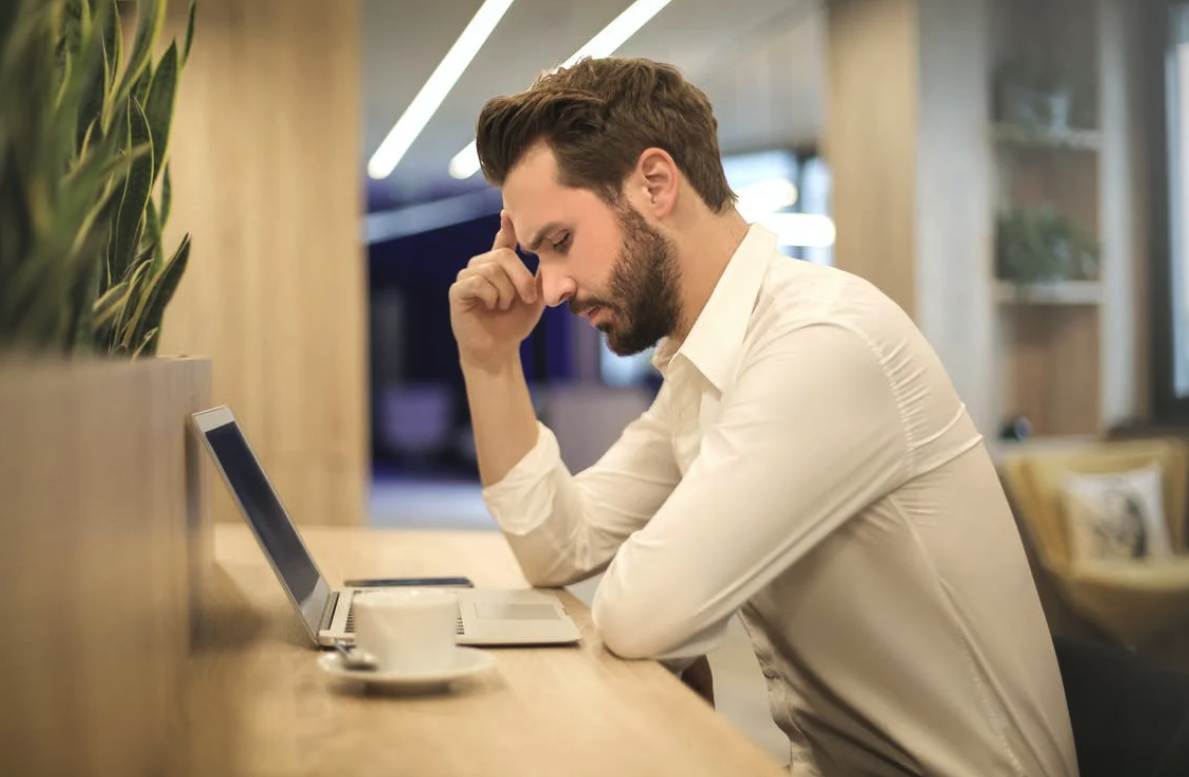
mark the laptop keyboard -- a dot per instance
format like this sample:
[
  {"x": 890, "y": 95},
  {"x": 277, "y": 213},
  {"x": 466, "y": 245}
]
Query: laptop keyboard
[{"x": 351, "y": 622}]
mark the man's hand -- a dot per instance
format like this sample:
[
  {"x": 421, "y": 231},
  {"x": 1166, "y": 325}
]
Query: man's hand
[
  {"x": 494, "y": 303},
  {"x": 699, "y": 679}
]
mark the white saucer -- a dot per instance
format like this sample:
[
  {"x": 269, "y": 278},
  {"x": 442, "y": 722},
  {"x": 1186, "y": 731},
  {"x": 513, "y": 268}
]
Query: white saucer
[{"x": 467, "y": 662}]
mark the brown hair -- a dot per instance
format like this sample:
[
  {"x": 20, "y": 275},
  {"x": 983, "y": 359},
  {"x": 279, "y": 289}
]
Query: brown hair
[{"x": 598, "y": 116}]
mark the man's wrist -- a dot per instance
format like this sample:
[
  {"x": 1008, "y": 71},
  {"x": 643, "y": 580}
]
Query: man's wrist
[{"x": 499, "y": 367}]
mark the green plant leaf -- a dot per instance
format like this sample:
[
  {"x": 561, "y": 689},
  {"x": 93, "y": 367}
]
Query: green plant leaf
[
  {"x": 107, "y": 307},
  {"x": 113, "y": 42},
  {"x": 9, "y": 16},
  {"x": 140, "y": 90},
  {"x": 189, "y": 33},
  {"x": 151, "y": 240},
  {"x": 164, "y": 286},
  {"x": 149, "y": 20},
  {"x": 64, "y": 82},
  {"x": 85, "y": 200},
  {"x": 81, "y": 78},
  {"x": 166, "y": 197},
  {"x": 89, "y": 254},
  {"x": 141, "y": 279},
  {"x": 126, "y": 321},
  {"x": 113, "y": 60},
  {"x": 83, "y": 306},
  {"x": 144, "y": 343},
  {"x": 84, "y": 141},
  {"x": 137, "y": 187},
  {"x": 72, "y": 29},
  {"x": 160, "y": 104},
  {"x": 32, "y": 303}
]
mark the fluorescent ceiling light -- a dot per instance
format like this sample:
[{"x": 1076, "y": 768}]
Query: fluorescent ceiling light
[
  {"x": 427, "y": 101},
  {"x": 809, "y": 230},
  {"x": 466, "y": 162},
  {"x": 618, "y": 31},
  {"x": 764, "y": 197}
]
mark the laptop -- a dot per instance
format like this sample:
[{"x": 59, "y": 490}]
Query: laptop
[{"x": 486, "y": 616}]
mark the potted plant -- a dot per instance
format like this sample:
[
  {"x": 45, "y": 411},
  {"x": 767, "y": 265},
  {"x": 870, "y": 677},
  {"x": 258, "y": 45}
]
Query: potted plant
[
  {"x": 85, "y": 141},
  {"x": 1036, "y": 245},
  {"x": 103, "y": 523}
]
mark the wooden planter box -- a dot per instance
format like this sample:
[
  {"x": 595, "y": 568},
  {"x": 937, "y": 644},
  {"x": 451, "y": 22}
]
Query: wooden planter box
[{"x": 105, "y": 541}]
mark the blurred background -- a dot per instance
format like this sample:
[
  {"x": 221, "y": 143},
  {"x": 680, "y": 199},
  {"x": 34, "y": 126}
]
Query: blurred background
[
  {"x": 1011, "y": 172},
  {"x": 761, "y": 64}
]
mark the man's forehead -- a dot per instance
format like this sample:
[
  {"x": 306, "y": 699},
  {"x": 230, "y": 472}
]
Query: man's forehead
[
  {"x": 537, "y": 204},
  {"x": 532, "y": 182}
]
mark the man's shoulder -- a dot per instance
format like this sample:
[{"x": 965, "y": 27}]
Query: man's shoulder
[{"x": 798, "y": 293}]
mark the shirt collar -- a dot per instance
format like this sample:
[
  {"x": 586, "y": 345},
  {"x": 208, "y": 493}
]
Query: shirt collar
[{"x": 716, "y": 338}]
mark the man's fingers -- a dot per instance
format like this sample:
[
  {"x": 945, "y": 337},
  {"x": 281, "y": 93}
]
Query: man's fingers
[
  {"x": 476, "y": 288},
  {"x": 494, "y": 273},
  {"x": 521, "y": 278},
  {"x": 506, "y": 237},
  {"x": 508, "y": 264}
]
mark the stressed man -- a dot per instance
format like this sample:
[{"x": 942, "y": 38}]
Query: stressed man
[{"x": 806, "y": 463}]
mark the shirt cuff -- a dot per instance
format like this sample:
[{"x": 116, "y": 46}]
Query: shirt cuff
[{"x": 507, "y": 499}]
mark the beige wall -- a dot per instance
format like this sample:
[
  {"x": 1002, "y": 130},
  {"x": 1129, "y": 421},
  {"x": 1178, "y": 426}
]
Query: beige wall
[
  {"x": 1127, "y": 167},
  {"x": 954, "y": 219},
  {"x": 266, "y": 162}
]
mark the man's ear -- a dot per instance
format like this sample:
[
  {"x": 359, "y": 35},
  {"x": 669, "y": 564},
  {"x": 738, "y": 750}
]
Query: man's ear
[{"x": 661, "y": 181}]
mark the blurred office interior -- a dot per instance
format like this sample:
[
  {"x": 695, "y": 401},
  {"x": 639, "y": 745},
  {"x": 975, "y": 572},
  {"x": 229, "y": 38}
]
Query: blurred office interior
[
  {"x": 1011, "y": 172},
  {"x": 1008, "y": 171}
]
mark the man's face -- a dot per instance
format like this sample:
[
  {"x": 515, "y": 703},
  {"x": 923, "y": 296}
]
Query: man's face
[{"x": 608, "y": 262}]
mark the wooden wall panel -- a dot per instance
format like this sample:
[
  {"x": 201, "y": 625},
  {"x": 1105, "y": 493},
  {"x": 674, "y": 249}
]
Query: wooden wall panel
[
  {"x": 1050, "y": 367},
  {"x": 266, "y": 174},
  {"x": 871, "y": 140}
]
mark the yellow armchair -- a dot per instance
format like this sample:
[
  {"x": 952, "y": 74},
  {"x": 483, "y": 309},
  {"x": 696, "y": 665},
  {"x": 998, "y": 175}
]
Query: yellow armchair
[{"x": 1133, "y": 601}]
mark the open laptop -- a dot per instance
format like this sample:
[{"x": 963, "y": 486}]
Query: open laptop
[{"x": 486, "y": 616}]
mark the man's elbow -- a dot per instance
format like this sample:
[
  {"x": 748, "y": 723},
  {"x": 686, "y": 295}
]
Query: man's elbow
[
  {"x": 549, "y": 573},
  {"x": 633, "y": 632}
]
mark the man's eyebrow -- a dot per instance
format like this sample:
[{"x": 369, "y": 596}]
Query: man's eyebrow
[{"x": 535, "y": 243}]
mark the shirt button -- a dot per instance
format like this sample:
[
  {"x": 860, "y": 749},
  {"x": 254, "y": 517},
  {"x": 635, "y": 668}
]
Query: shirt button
[{"x": 768, "y": 672}]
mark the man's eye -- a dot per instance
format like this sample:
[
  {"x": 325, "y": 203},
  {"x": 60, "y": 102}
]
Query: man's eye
[{"x": 561, "y": 245}]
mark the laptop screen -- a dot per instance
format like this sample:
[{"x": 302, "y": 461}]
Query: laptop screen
[{"x": 267, "y": 516}]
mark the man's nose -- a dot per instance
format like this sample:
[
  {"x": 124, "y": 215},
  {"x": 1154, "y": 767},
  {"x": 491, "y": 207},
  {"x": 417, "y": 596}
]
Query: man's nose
[{"x": 558, "y": 286}]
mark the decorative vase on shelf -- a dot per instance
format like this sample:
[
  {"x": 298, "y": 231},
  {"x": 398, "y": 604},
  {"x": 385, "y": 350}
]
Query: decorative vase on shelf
[
  {"x": 1037, "y": 109},
  {"x": 1038, "y": 95}
]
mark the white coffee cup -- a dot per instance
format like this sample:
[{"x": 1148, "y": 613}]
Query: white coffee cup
[{"x": 408, "y": 630}]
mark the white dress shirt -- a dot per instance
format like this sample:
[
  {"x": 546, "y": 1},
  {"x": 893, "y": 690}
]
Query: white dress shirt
[{"x": 808, "y": 465}]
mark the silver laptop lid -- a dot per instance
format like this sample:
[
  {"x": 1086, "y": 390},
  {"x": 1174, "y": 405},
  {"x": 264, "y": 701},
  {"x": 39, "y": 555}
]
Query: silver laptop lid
[{"x": 275, "y": 532}]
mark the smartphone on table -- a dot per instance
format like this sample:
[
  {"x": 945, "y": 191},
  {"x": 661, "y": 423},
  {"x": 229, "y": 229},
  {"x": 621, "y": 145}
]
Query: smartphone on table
[{"x": 410, "y": 582}]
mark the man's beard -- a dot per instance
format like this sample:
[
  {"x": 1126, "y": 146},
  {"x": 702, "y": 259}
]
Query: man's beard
[{"x": 644, "y": 296}]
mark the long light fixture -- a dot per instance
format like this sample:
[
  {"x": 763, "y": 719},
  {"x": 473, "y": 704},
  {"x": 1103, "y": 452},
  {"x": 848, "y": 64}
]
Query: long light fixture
[
  {"x": 466, "y": 162},
  {"x": 761, "y": 198},
  {"x": 427, "y": 101},
  {"x": 809, "y": 230}
]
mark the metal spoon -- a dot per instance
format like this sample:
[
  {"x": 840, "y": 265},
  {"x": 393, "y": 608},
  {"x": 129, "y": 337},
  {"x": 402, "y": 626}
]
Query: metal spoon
[{"x": 354, "y": 658}]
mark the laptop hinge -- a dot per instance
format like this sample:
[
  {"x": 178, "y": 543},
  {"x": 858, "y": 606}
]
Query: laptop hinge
[{"x": 332, "y": 602}]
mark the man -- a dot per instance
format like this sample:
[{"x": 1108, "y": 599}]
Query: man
[{"x": 806, "y": 463}]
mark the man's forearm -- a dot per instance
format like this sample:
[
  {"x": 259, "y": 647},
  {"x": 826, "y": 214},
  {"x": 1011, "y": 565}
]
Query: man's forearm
[{"x": 502, "y": 417}]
